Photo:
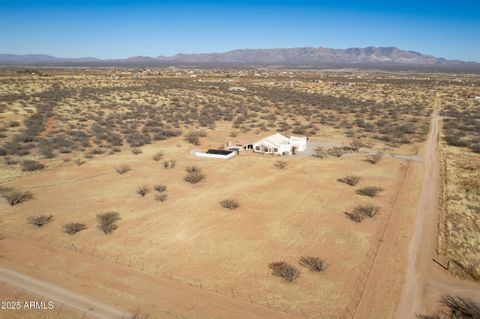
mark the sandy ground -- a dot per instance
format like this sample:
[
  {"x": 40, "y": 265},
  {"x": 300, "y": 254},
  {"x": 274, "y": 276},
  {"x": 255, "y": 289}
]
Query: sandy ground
[
  {"x": 60, "y": 295},
  {"x": 424, "y": 281},
  {"x": 13, "y": 297},
  {"x": 283, "y": 215}
]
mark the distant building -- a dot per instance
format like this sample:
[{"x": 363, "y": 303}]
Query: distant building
[
  {"x": 281, "y": 145},
  {"x": 237, "y": 88}
]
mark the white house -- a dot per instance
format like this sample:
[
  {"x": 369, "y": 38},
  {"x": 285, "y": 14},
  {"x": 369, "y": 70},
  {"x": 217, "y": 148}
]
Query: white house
[{"x": 281, "y": 145}]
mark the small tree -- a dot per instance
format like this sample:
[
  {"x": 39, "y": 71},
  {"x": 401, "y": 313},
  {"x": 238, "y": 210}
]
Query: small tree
[
  {"x": 161, "y": 197},
  {"x": 351, "y": 180},
  {"x": 40, "y": 220},
  {"x": 193, "y": 138},
  {"x": 31, "y": 165},
  {"x": 230, "y": 204},
  {"x": 284, "y": 270},
  {"x": 106, "y": 221},
  {"x": 281, "y": 164},
  {"x": 157, "y": 156},
  {"x": 458, "y": 308},
  {"x": 368, "y": 210},
  {"x": 312, "y": 263},
  {"x": 194, "y": 175},
  {"x": 336, "y": 151},
  {"x": 371, "y": 191},
  {"x": 356, "y": 144},
  {"x": 355, "y": 216},
  {"x": 73, "y": 228},
  {"x": 122, "y": 169},
  {"x": 374, "y": 158},
  {"x": 17, "y": 197},
  {"x": 320, "y": 152},
  {"x": 160, "y": 188},
  {"x": 137, "y": 150},
  {"x": 143, "y": 190}
]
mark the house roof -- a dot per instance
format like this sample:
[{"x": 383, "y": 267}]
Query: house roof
[{"x": 277, "y": 139}]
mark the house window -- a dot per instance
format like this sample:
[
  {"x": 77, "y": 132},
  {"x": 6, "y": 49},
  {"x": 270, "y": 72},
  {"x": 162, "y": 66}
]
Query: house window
[
  {"x": 257, "y": 148},
  {"x": 275, "y": 150}
]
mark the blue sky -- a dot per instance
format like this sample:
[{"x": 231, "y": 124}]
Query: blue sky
[{"x": 117, "y": 29}]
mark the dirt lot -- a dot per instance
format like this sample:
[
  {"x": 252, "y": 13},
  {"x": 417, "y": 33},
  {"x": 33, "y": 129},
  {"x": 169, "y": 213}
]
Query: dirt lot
[{"x": 283, "y": 215}]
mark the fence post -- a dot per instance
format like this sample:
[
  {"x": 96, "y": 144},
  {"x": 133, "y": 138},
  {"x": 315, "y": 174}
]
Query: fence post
[
  {"x": 268, "y": 303},
  {"x": 283, "y": 306}
]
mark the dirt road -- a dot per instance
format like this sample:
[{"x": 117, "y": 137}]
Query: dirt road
[
  {"x": 82, "y": 304},
  {"x": 422, "y": 279}
]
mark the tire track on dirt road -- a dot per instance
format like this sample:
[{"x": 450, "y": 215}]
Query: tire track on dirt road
[
  {"x": 421, "y": 275},
  {"x": 77, "y": 302}
]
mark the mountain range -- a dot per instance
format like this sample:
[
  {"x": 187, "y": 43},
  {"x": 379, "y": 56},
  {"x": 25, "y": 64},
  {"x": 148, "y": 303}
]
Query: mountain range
[{"x": 374, "y": 57}]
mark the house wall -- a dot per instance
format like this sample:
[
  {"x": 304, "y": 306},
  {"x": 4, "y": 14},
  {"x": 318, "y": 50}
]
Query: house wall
[
  {"x": 274, "y": 148},
  {"x": 299, "y": 142},
  {"x": 201, "y": 154}
]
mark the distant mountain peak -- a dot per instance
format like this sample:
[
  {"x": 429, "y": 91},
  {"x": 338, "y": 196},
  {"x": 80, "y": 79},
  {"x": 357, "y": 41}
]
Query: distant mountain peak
[{"x": 301, "y": 56}]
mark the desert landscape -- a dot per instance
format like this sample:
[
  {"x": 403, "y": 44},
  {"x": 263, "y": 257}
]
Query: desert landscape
[{"x": 103, "y": 193}]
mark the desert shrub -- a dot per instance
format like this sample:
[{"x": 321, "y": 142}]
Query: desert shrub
[
  {"x": 73, "y": 228},
  {"x": 136, "y": 315},
  {"x": 80, "y": 161},
  {"x": 319, "y": 152},
  {"x": 356, "y": 144},
  {"x": 31, "y": 165},
  {"x": 170, "y": 164},
  {"x": 284, "y": 270},
  {"x": 336, "y": 151},
  {"x": 161, "y": 197},
  {"x": 461, "y": 307},
  {"x": 371, "y": 191},
  {"x": 122, "y": 169},
  {"x": 374, "y": 158},
  {"x": 160, "y": 188},
  {"x": 368, "y": 210},
  {"x": 157, "y": 156},
  {"x": 312, "y": 263},
  {"x": 458, "y": 308},
  {"x": 143, "y": 190},
  {"x": 10, "y": 161},
  {"x": 40, "y": 220},
  {"x": 351, "y": 180},
  {"x": 281, "y": 164},
  {"x": 193, "y": 138},
  {"x": 355, "y": 216},
  {"x": 17, "y": 197},
  {"x": 230, "y": 204},
  {"x": 136, "y": 150},
  {"x": 106, "y": 221},
  {"x": 194, "y": 175}
]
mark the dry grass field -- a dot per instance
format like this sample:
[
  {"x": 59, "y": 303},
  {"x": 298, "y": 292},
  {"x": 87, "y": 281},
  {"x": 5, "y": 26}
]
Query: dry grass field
[
  {"x": 88, "y": 142},
  {"x": 459, "y": 241}
]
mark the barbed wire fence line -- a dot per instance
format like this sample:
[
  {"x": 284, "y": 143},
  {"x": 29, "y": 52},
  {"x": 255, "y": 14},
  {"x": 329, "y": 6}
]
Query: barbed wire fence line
[
  {"x": 157, "y": 270},
  {"x": 366, "y": 268},
  {"x": 244, "y": 295}
]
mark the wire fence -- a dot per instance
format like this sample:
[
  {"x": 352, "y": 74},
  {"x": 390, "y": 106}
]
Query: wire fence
[{"x": 273, "y": 303}]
